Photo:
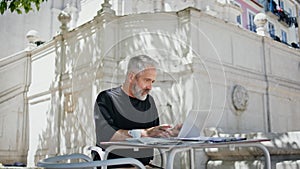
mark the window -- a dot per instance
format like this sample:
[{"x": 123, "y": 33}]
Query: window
[
  {"x": 239, "y": 19},
  {"x": 283, "y": 36},
  {"x": 251, "y": 25},
  {"x": 281, "y": 4},
  {"x": 271, "y": 29},
  {"x": 290, "y": 12}
]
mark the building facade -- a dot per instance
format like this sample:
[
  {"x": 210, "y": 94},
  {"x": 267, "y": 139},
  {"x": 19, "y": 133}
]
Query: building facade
[{"x": 281, "y": 27}]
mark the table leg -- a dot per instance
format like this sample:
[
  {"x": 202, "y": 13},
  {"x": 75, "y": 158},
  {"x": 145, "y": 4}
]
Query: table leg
[
  {"x": 192, "y": 158},
  {"x": 267, "y": 155},
  {"x": 171, "y": 155},
  {"x": 109, "y": 149},
  {"x": 263, "y": 148}
]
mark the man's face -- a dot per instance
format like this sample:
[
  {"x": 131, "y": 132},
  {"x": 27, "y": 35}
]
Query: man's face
[{"x": 141, "y": 83}]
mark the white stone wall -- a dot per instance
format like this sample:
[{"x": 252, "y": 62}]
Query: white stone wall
[
  {"x": 247, "y": 59},
  {"x": 15, "y": 80},
  {"x": 284, "y": 87},
  {"x": 42, "y": 117}
]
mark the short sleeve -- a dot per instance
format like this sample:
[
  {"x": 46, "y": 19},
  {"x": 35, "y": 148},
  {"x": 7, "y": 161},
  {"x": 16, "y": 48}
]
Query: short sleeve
[{"x": 103, "y": 116}]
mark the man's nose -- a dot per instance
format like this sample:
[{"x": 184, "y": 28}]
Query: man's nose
[{"x": 149, "y": 86}]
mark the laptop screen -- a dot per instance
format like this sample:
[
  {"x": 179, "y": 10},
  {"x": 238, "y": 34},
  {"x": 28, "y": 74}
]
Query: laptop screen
[{"x": 194, "y": 124}]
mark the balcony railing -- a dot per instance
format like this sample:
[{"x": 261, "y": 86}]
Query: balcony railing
[
  {"x": 277, "y": 38},
  {"x": 283, "y": 16}
]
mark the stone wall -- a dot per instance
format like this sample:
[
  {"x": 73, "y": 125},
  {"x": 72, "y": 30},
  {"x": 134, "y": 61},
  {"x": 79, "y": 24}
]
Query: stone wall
[{"x": 14, "y": 132}]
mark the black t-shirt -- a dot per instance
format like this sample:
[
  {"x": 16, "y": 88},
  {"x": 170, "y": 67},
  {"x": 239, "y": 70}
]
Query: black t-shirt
[{"x": 115, "y": 110}]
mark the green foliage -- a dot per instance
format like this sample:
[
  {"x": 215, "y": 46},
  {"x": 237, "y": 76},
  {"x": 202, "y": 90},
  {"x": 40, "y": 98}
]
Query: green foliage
[{"x": 19, "y": 5}]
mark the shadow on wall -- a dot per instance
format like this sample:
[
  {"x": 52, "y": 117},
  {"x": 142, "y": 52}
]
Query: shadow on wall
[{"x": 69, "y": 125}]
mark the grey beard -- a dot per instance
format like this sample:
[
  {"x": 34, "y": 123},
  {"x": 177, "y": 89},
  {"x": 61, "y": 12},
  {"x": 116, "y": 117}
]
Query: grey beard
[{"x": 138, "y": 93}]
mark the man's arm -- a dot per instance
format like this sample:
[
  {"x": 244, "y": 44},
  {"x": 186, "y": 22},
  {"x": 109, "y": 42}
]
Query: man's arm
[
  {"x": 120, "y": 135},
  {"x": 105, "y": 125},
  {"x": 157, "y": 131}
]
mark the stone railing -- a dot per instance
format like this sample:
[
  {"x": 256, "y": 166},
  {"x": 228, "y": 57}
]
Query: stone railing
[{"x": 282, "y": 147}]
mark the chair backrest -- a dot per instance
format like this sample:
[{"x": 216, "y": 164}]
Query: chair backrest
[{"x": 87, "y": 162}]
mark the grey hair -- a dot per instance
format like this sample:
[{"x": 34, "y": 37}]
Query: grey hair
[{"x": 139, "y": 63}]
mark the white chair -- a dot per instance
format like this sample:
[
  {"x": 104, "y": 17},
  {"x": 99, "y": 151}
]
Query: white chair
[
  {"x": 101, "y": 154},
  {"x": 87, "y": 162}
]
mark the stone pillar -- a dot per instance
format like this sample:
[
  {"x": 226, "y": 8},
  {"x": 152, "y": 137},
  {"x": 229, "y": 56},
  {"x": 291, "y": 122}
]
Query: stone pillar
[
  {"x": 260, "y": 21},
  {"x": 32, "y": 36},
  {"x": 106, "y": 9},
  {"x": 60, "y": 64},
  {"x": 64, "y": 18},
  {"x": 105, "y": 14}
]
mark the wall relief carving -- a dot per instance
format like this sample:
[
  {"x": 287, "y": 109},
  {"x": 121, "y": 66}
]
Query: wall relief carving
[{"x": 240, "y": 98}]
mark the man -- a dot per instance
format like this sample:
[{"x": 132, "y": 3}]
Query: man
[{"x": 128, "y": 111}]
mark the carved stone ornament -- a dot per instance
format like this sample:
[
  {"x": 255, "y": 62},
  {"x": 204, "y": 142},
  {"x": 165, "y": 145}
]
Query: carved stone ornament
[{"x": 240, "y": 98}]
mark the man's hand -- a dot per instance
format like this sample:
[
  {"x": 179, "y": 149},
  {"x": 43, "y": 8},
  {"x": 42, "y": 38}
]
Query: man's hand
[
  {"x": 173, "y": 132},
  {"x": 157, "y": 131},
  {"x": 164, "y": 130}
]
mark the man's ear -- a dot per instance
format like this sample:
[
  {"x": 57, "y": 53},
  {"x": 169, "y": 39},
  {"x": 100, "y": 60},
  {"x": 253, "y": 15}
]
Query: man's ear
[{"x": 131, "y": 77}]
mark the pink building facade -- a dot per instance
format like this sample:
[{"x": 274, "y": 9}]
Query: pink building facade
[
  {"x": 282, "y": 16},
  {"x": 250, "y": 9}
]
